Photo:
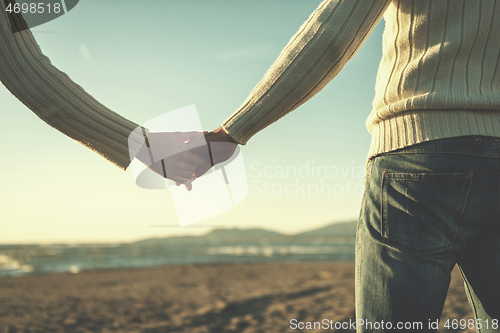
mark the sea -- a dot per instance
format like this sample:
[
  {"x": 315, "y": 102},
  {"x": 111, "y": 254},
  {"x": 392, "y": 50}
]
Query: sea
[{"x": 35, "y": 259}]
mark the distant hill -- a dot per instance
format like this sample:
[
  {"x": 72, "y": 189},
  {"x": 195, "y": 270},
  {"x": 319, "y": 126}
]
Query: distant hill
[
  {"x": 333, "y": 232},
  {"x": 331, "y": 243},
  {"x": 237, "y": 232},
  {"x": 346, "y": 229},
  {"x": 218, "y": 237}
]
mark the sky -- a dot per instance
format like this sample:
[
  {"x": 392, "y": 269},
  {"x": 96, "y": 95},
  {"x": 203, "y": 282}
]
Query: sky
[{"x": 145, "y": 60}]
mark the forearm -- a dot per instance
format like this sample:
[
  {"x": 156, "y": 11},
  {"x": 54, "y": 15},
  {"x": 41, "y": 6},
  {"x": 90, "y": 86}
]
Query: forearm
[
  {"x": 59, "y": 101},
  {"x": 312, "y": 58}
]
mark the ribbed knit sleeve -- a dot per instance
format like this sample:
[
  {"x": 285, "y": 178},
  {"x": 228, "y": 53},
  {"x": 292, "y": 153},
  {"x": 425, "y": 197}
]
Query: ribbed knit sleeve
[
  {"x": 313, "y": 57},
  {"x": 60, "y": 102}
]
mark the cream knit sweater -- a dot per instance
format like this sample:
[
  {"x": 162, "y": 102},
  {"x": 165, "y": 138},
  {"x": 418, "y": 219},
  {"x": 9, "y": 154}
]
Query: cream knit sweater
[
  {"x": 59, "y": 101},
  {"x": 439, "y": 76}
]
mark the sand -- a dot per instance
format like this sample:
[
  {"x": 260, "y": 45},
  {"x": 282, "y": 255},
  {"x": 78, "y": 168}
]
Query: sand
[{"x": 243, "y": 298}]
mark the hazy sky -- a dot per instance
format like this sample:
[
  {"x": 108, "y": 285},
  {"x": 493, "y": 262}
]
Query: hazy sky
[{"x": 142, "y": 59}]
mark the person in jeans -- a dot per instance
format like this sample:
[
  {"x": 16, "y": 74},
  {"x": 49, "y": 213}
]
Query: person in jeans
[
  {"x": 432, "y": 186},
  {"x": 432, "y": 194}
]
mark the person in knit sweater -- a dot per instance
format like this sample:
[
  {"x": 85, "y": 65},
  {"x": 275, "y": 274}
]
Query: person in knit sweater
[
  {"x": 64, "y": 105},
  {"x": 432, "y": 190},
  {"x": 432, "y": 186}
]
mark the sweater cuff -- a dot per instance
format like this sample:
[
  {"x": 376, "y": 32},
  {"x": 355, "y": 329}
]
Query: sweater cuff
[
  {"x": 233, "y": 132},
  {"x": 136, "y": 140}
]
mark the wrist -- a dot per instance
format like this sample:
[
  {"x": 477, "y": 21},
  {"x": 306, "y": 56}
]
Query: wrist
[{"x": 221, "y": 132}]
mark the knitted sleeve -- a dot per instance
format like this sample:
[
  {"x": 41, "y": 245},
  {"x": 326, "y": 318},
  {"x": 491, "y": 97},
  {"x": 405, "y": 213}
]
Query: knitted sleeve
[
  {"x": 314, "y": 56},
  {"x": 60, "y": 102}
]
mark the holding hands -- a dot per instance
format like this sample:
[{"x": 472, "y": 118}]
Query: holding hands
[
  {"x": 219, "y": 147},
  {"x": 185, "y": 156}
]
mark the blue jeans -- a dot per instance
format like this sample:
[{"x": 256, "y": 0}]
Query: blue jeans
[{"x": 426, "y": 208}]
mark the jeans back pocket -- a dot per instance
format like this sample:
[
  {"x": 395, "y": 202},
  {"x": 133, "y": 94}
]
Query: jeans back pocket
[{"x": 420, "y": 211}]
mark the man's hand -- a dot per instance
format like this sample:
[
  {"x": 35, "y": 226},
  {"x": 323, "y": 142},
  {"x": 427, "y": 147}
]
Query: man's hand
[
  {"x": 168, "y": 155},
  {"x": 219, "y": 148}
]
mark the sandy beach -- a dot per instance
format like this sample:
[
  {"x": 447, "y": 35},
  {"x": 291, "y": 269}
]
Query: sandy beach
[{"x": 247, "y": 298}]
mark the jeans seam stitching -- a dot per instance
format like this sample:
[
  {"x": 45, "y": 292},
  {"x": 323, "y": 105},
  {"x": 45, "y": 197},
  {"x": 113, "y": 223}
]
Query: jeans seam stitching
[
  {"x": 465, "y": 199},
  {"x": 473, "y": 305},
  {"x": 497, "y": 217},
  {"x": 383, "y": 209}
]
